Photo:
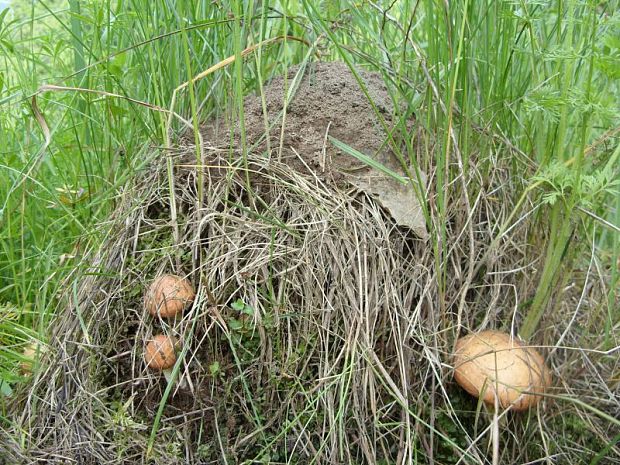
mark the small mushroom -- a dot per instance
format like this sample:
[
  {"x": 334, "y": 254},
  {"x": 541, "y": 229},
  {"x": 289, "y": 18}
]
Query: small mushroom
[
  {"x": 493, "y": 363},
  {"x": 160, "y": 354},
  {"x": 168, "y": 296}
]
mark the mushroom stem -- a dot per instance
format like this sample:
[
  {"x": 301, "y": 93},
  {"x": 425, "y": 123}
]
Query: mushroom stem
[
  {"x": 168, "y": 375},
  {"x": 179, "y": 381}
]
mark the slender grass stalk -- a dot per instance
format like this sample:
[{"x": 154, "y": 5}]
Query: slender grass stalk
[
  {"x": 238, "y": 79},
  {"x": 561, "y": 231},
  {"x": 195, "y": 121}
]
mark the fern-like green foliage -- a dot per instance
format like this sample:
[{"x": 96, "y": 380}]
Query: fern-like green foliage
[{"x": 564, "y": 183}]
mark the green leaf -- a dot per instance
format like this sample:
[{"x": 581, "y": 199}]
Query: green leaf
[
  {"x": 214, "y": 368},
  {"x": 5, "y": 389},
  {"x": 242, "y": 307},
  {"x": 117, "y": 110},
  {"x": 8, "y": 45},
  {"x": 235, "y": 324},
  {"x": 367, "y": 160},
  {"x": 3, "y": 14}
]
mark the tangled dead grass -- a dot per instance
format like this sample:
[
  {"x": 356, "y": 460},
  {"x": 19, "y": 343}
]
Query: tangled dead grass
[{"x": 320, "y": 333}]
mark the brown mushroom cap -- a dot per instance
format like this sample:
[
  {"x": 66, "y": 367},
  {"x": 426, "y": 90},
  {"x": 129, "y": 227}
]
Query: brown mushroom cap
[
  {"x": 492, "y": 361},
  {"x": 159, "y": 353},
  {"x": 168, "y": 295}
]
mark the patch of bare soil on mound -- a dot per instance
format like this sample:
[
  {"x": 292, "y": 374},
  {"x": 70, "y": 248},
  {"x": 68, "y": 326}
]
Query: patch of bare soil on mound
[
  {"x": 328, "y": 101},
  {"x": 297, "y": 114}
]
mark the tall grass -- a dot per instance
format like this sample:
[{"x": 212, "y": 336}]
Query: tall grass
[{"x": 533, "y": 82}]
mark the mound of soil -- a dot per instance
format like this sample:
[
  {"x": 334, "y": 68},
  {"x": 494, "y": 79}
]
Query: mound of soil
[
  {"x": 297, "y": 114},
  {"x": 302, "y": 279},
  {"x": 320, "y": 329},
  {"x": 326, "y": 101}
]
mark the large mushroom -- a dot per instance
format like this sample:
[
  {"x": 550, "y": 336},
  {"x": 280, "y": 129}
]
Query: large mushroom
[
  {"x": 493, "y": 363},
  {"x": 168, "y": 296}
]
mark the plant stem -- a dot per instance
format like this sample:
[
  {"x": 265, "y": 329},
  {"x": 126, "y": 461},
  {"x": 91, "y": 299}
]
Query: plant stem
[{"x": 560, "y": 235}]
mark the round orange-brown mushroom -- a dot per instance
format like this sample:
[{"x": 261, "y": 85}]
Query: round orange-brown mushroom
[
  {"x": 159, "y": 353},
  {"x": 168, "y": 296},
  {"x": 493, "y": 363}
]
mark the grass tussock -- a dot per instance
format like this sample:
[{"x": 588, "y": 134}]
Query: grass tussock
[{"x": 321, "y": 331}]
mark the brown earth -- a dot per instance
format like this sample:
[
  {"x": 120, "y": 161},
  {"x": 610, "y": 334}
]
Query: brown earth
[{"x": 325, "y": 99}]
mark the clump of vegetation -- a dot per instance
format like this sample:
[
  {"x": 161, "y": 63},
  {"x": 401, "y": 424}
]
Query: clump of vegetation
[
  {"x": 313, "y": 332},
  {"x": 323, "y": 326}
]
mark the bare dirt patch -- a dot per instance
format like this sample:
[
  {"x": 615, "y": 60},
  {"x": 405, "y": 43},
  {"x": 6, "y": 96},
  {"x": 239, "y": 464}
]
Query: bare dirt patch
[{"x": 297, "y": 114}]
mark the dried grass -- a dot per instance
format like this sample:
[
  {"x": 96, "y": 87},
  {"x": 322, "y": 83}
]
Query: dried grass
[{"x": 345, "y": 356}]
